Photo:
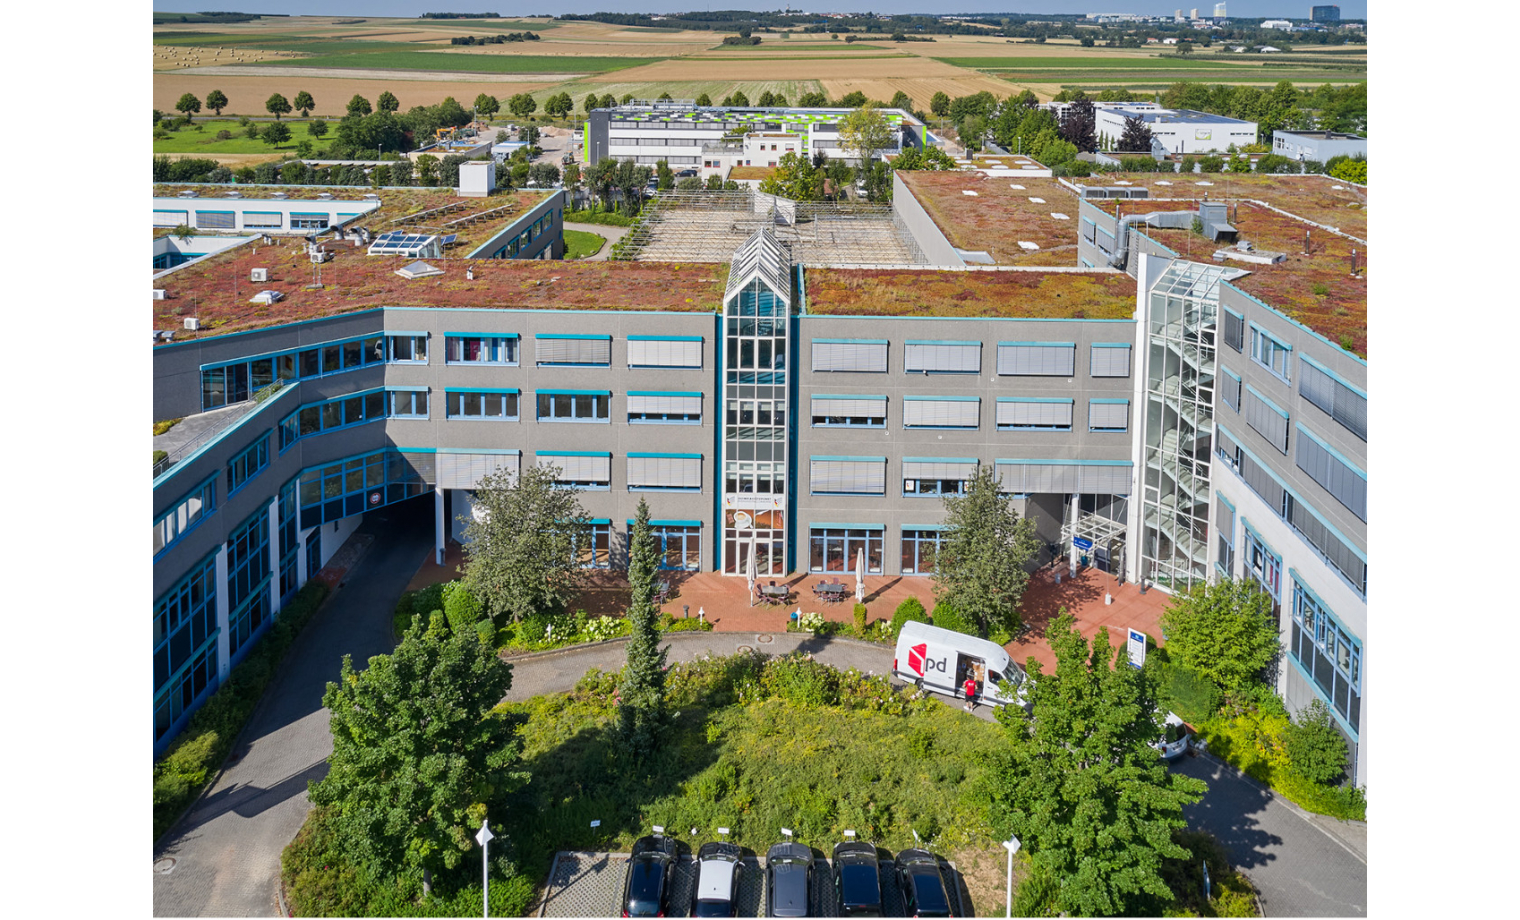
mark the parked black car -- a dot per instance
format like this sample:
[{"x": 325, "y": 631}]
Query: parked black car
[
  {"x": 789, "y": 880},
  {"x": 925, "y": 890},
  {"x": 856, "y": 879},
  {"x": 720, "y": 868},
  {"x": 646, "y": 891}
]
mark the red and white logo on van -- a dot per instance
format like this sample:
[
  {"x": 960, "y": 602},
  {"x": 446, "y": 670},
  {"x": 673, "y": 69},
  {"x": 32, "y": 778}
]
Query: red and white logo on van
[{"x": 916, "y": 656}]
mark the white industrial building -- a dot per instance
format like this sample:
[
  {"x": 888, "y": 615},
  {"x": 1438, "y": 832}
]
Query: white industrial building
[{"x": 1176, "y": 131}]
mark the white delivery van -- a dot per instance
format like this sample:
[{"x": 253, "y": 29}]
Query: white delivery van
[{"x": 939, "y": 660}]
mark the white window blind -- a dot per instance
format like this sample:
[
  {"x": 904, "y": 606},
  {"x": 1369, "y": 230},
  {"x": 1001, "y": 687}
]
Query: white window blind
[
  {"x": 858, "y": 406},
  {"x": 1110, "y": 361},
  {"x": 576, "y": 468},
  {"x": 1337, "y": 477},
  {"x": 664, "y": 472},
  {"x": 1339, "y": 401},
  {"x": 664, "y": 353},
  {"x": 171, "y": 218},
  {"x": 574, "y": 351},
  {"x": 1032, "y": 414},
  {"x": 850, "y": 356},
  {"x": 215, "y": 220},
  {"x": 938, "y": 469},
  {"x": 861, "y": 476},
  {"x": 1109, "y": 416},
  {"x": 1265, "y": 420},
  {"x": 1037, "y": 359},
  {"x": 1065, "y": 478},
  {"x": 941, "y": 413},
  {"x": 1229, "y": 390},
  {"x": 1224, "y": 520},
  {"x": 942, "y": 357},
  {"x": 1234, "y": 330},
  {"x": 685, "y": 405},
  {"x": 465, "y": 470},
  {"x": 251, "y": 220}
]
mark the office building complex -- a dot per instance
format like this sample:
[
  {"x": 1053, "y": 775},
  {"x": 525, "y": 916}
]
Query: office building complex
[
  {"x": 783, "y": 382},
  {"x": 1324, "y": 14}
]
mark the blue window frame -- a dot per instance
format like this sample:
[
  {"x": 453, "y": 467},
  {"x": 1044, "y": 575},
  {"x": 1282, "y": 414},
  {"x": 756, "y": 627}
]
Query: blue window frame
[
  {"x": 184, "y": 627},
  {"x": 679, "y": 542},
  {"x": 290, "y": 540},
  {"x": 1224, "y": 528},
  {"x": 409, "y": 403},
  {"x": 248, "y": 580},
  {"x": 1263, "y": 565},
  {"x": 467, "y": 348},
  {"x": 1328, "y": 654},
  {"x": 356, "y": 484},
  {"x": 487, "y": 405},
  {"x": 574, "y": 405},
  {"x": 595, "y": 552},
  {"x": 664, "y": 407},
  {"x": 332, "y": 414},
  {"x": 833, "y": 547},
  {"x": 248, "y": 464},
  {"x": 573, "y": 350},
  {"x": 407, "y": 348},
  {"x": 1108, "y": 415},
  {"x": 228, "y": 383},
  {"x": 183, "y": 516},
  {"x": 849, "y": 411},
  {"x": 1270, "y": 353},
  {"x": 919, "y": 549},
  {"x": 309, "y": 221}
]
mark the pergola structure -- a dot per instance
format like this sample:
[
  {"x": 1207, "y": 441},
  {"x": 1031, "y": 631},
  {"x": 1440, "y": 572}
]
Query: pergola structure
[{"x": 708, "y": 226}]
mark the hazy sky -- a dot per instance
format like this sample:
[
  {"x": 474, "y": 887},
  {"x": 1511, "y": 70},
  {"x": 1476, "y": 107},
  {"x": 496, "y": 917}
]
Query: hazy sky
[{"x": 1357, "y": 9}]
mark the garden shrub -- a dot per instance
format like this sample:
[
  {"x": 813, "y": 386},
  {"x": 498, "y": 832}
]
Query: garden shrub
[
  {"x": 799, "y": 679},
  {"x": 192, "y": 759},
  {"x": 911, "y": 609},
  {"x": 1230, "y": 895},
  {"x": 684, "y": 624},
  {"x": 1189, "y": 694},
  {"x": 429, "y": 598},
  {"x": 603, "y": 628},
  {"x": 460, "y": 607},
  {"x": 1314, "y": 746},
  {"x": 947, "y": 617},
  {"x": 1211, "y": 163},
  {"x": 486, "y": 630},
  {"x": 860, "y": 618},
  {"x": 921, "y": 744}
]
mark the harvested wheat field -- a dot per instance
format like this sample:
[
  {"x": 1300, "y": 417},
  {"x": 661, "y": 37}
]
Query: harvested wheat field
[
  {"x": 826, "y": 70},
  {"x": 922, "y": 90},
  {"x": 246, "y": 94}
]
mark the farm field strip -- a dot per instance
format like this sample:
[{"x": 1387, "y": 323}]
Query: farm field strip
[
  {"x": 470, "y": 63},
  {"x": 1082, "y": 63},
  {"x": 247, "y": 92},
  {"x": 696, "y": 68},
  {"x": 716, "y": 89}
]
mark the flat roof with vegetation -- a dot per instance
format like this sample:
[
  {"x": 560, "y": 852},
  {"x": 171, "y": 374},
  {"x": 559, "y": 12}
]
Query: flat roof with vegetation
[
  {"x": 217, "y": 290},
  {"x": 999, "y": 217},
  {"x": 1318, "y": 198},
  {"x": 973, "y": 293}
]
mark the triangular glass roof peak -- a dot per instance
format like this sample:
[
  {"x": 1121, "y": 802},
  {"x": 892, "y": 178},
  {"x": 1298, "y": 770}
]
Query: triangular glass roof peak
[{"x": 762, "y": 257}]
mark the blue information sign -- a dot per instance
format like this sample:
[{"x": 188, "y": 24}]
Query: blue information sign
[{"x": 1081, "y": 543}]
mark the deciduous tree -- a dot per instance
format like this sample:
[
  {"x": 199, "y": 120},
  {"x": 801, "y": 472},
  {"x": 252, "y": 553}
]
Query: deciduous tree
[
  {"x": 277, "y": 105},
  {"x": 276, "y": 134},
  {"x": 189, "y": 105},
  {"x": 521, "y": 546},
  {"x": 359, "y": 105},
  {"x": 216, "y": 100},
  {"x": 1079, "y": 126},
  {"x": 417, "y": 751},
  {"x": 1078, "y": 783},
  {"x": 1224, "y": 631},
  {"x": 939, "y": 104},
  {"x": 641, "y": 710},
  {"x": 304, "y": 103},
  {"x": 980, "y": 567},
  {"x": 387, "y": 102},
  {"x": 867, "y": 132},
  {"x": 316, "y": 127},
  {"x": 486, "y": 105},
  {"x": 704, "y": 100}
]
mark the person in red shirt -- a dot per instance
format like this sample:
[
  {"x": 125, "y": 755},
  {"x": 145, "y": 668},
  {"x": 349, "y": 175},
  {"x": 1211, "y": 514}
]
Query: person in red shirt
[{"x": 970, "y": 688}]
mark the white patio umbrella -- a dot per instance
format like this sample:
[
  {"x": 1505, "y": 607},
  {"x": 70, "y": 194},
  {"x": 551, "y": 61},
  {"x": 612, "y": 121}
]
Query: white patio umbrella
[
  {"x": 749, "y": 572},
  {"x": 860, "y": 575}
]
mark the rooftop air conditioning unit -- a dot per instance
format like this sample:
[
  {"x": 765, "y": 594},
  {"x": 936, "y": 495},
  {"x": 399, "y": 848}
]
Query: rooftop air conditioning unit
[
  {"x": 160, "y": 294},
  {"x": 280, "y": 195},
  {"x": 192, "y": 323},
  {"x": 258, "y": 274}
]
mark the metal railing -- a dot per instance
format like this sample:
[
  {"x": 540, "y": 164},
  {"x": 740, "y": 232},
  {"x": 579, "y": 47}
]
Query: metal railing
[{"x": 245, "y": 409}]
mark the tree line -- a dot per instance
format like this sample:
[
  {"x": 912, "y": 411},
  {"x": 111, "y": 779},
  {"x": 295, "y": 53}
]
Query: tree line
[{"x": 501, "y": 38}]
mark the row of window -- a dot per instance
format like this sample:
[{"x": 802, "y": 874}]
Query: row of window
[
  {"x": 1340, "y": 400},
  {"x": 1336, "y": 550},
  {"x": 513, "y": 248},
  {"x": 964, "y": 412},
  {"x": 949, "y": 475},
  {"x": 1014, "y": 359}
]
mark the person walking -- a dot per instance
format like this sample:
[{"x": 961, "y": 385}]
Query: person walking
[{"x": 970, "y": 688}]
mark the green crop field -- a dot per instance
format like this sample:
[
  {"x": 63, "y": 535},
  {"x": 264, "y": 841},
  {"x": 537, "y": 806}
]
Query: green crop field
[
  {"x": 204, "y": 142},
  {"x": 1083, "y": 63},
  {"x": 444, "y": 61},
  {"x": 810, "y": 57}
]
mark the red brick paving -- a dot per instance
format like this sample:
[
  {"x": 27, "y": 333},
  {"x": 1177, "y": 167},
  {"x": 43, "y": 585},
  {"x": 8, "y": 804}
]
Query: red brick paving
[{"x": 724, "y": 601}]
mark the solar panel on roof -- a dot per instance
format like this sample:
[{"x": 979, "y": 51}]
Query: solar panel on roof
[{"x": 449, "y": 239}]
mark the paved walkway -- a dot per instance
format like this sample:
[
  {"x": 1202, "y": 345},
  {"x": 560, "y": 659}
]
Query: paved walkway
[
  {"x": 227, "y": 850},
  {"x": 610, "y": 233}
]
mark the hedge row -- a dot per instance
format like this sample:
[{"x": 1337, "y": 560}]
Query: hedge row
[{"x": 192, "y": 760}]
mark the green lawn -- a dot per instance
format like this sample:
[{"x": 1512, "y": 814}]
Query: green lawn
[
  {"x": 446, "y": 61},
  {"x": 580, "y": 244},
  {"x": 189, "y": 140}
]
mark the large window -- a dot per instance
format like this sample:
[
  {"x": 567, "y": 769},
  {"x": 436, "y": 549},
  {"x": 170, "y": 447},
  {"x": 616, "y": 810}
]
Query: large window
[
  {"x": 1270, "y": 353},
  {"x": 1108, "y": 415},
  {"x": 356, "y": 484},
  {"x": 479, "y": 349},
  {"x": 247, "y": 579},
  {"x": 833, "y": 547},
  {"x": 679, "y": 544},
  {"x": 941, "y": 411},
  {"x": 574, "y": 406},
  {"x": 858, "y": 355},
  {"x": 1340, "y": 400},
  {"x": 596, "y": 551},
  {"x": 182, "y": 517},
  {"x": 669, "y": 408},
  {"x": 666, "y": 472},
  {"x": 408, "y": 349},
  {"x": 290, "y": 540},
  {"x": 1266, "y": 418},
  {"x": 1033, "y": 414},
  {"x": 574, "y": 350},
  {"x": 1224, "y": 527},
  {"x": 664, "y": 351},
  {"x": 919, "y": 549},
  {"x": 343, "y": 412},
  {"x": 247, "y": 464},
  {"x": 225, "y": 384},
  {"x": 184, "y": 634},
  {"x": 1037, "y": 359},
  {"x": 581, "y": 469},
  {"x": 1109, "y": 359},
  {"x": 1263, "y": 565},
  {"x": 1329, "y": 654},
  {"x": 848, "y": 475},
  {"x": 409, "y": 403},
  {"x": 849, "y": 411},
  {"x": 1337, "y": 475},
  {"x": 497, "y": 405},
  {"x": 936, "y": 475},
  {"x": 935, "y": 357}
]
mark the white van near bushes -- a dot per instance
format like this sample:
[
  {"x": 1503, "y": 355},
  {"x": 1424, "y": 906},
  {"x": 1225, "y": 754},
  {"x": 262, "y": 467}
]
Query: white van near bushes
[{"x": 939, "y": 660}]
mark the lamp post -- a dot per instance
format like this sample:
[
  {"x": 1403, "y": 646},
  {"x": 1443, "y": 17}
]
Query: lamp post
[
  {"x": 1012, "y": 846},
  {"x": 484, "y": 838}
]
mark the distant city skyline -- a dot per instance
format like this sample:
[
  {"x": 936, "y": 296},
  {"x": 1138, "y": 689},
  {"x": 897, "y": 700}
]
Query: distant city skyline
[{"x": 1243, "y": 9}]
